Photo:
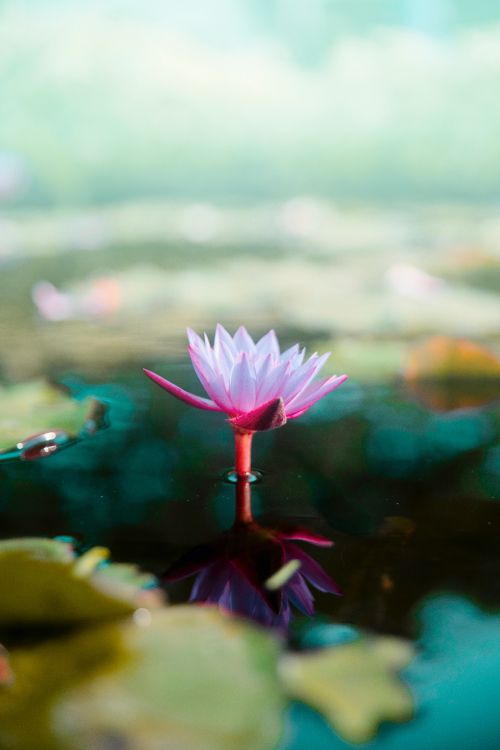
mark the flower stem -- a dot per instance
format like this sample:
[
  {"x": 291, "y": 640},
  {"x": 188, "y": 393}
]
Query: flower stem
[
  {"x": 243, "y": 501},
  {"x": 243, "y": 451},
  {"x": 243, "y": 467}
]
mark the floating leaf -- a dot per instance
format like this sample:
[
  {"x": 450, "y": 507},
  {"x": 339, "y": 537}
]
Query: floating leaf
[
  {"x": 354, "y": 685},
  {"x": 42, "y": 581},
  {"x": 28, "y": 409},
  {"x": 449, "y": 373},
  {"x": 191, "y": 679}
]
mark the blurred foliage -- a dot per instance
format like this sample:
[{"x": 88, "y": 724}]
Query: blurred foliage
[
  {"x": 445, "y": 358},
  {"x": 43, "y": 582},
  {"x": 186, "y": 676},
  {"x": 5, "y": 670},
  {"x": 453, "y": 679},
  {"x": 27, "y": 409},
  {"x": 353, "y": 685}
]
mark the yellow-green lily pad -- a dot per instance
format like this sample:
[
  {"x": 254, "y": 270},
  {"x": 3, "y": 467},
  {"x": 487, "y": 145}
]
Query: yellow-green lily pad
[
  {"x": 42, "y": 581},
  {"x": 188, "y": 678},
  {"x": 36, "y": 407},
  {"x": 355, "y": 686}
]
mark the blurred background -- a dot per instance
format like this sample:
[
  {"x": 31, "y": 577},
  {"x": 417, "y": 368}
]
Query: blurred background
[{"x": 327, "y": 167}]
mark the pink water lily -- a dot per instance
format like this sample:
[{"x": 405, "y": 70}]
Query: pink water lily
[{"x": 254, "y": 383}]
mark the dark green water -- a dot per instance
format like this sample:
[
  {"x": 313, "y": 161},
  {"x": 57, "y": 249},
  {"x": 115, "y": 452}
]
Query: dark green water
[{"x": 406, "y": 492}]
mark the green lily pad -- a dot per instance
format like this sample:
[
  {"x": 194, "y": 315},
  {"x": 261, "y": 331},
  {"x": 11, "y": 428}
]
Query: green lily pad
[
  {"x": 189, "y": 678},
  {"x": 42, "y": 581},
  {"x": 355, "y": 686},
  {"x": 28, "y": 409}
]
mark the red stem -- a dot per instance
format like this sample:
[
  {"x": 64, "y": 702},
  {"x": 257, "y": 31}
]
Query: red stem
[
  {"x": 243, "y": 467},
  {"x": 243, "y": 451},
  {"x": 243, "y": 501}
]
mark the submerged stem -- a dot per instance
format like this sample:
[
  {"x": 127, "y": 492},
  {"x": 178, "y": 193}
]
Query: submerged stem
[
  {"x": 243, "y": 501},
  {"x": 243, "y": 467}
]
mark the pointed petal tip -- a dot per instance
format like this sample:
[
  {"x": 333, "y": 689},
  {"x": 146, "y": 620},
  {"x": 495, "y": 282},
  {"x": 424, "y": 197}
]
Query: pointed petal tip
[
  {"x": 189, "y": 398},
  {"x": 193, "y": 337}
]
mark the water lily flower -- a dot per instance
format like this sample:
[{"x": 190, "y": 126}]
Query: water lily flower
[
  {"x": 254, "y": 383},
  {"x": 235, "y": 570}
]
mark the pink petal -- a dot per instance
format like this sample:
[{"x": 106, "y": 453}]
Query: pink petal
[
  {"x": 303, "y": 376},
  {"x": 208, "y": 349},
  {"x": 272, "y": 386},
  {"x": 242, "y": 386},
  {"x": 180, "y": 393},
  {"x": 313, "y": 393},
  {"x": 311, "y": 570},
  {"x": 222, "y": 335},
  {"x": 193, "y": 338},
  {"x": 197, "y": 344},
  {"x": 299, "y": 378},
  {"x": 299, "y": 358},
  {"x": 224, "y": 359},
  {"x": 268, "y": 344},
  {"x": 299, "y": 595},
  {"x": 290, "y": 353},
  {"x": 243, "y": 341},
  {"x": 304, "y": 535},
  {"x": 212, "y": 382},
  {"x": 269, "y": 416},
  {"x": 263, "y": 368}
]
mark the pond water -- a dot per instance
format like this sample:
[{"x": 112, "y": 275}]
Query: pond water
[{"x": 402, "y": 483}]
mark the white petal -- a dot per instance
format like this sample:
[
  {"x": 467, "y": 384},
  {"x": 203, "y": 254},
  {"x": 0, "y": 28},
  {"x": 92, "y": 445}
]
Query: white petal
[
  {"x": 263, "y": 367},
  {"x": 303, "y": 376},
  {"x": 268, "y": 344},
  {"x": 209, "y": 354},
  {"x": 221, "y": 335},
  {"x": 299, "y": 358},
  {"x": 243, "y": 385},
  {"x": 193, "y": 338},
  {"x": 290, "y": 353},
  {"x": 313, "y": 393},
  {"x": 220, "y": 393},
  {"x": 272, "y": 386},
  {"x": 211, "y": 381},
  {"x": 243, "y": 341},
  {"x": 224, "y": 360},
  {"x": 299, "y": 378}
]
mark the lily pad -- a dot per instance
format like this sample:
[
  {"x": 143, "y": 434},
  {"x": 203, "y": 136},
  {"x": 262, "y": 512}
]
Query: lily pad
[
  {"x": 354, "y": 686},
  {"x": 448, "y": 374},
  {"x": 28, "y": 409},
  {"x": 42, "y": 581},
  {"x": 447, "y": 358},
  {"x": 190, "y": 679}
]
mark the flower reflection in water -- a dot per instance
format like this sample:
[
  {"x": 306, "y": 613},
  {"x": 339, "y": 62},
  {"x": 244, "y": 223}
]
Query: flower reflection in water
[{"x": 255, "y": 571}]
